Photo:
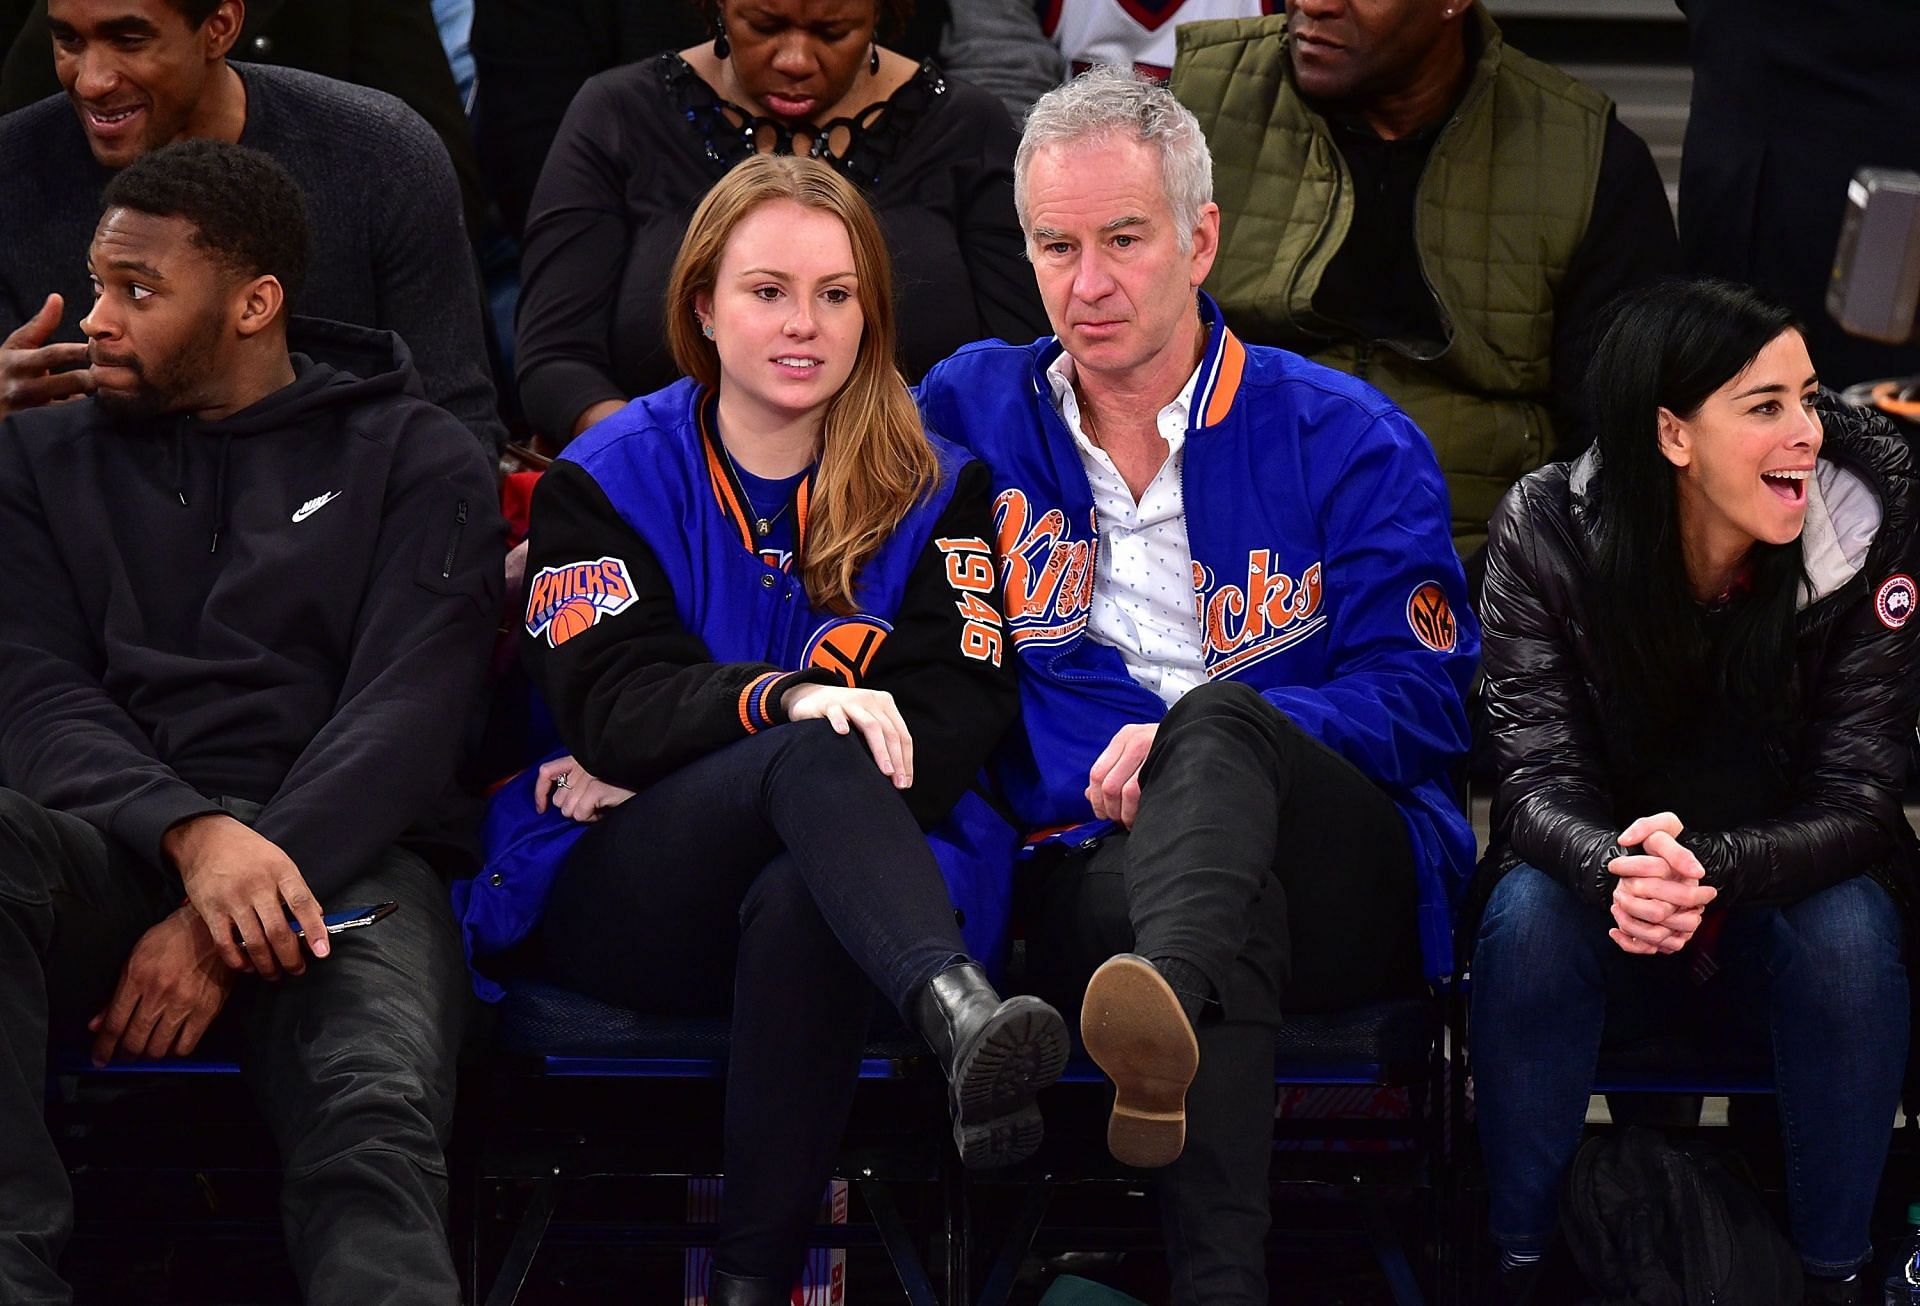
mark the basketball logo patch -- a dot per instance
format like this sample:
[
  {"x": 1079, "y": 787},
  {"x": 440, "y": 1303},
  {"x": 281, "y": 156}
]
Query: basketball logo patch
[
  {"x": 570, "y": 600},
  {"x": 1893, "y": 602},
  {"x": 1431, "y": 617},
  {"x": 846, "y": 647}
]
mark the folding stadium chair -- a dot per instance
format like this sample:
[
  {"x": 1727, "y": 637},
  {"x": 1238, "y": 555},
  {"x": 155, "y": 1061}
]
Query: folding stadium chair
[
  {"x": 574, "y": 1069},
  {"x": 164, "y": 1154}
]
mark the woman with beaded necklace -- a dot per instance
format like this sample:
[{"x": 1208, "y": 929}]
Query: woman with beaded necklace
[{"x": 642, "y": 143}]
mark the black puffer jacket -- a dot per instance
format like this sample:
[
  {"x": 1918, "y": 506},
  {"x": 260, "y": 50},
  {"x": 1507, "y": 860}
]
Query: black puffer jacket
[{"x": 1845, "y": 762}]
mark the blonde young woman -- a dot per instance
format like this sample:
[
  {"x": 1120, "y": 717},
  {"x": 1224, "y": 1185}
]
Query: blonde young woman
[{"x": 764, "y": 615}]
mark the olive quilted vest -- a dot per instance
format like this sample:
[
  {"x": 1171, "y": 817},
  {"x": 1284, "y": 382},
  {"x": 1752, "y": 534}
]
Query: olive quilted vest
[{"x": 1501, "y": 208}]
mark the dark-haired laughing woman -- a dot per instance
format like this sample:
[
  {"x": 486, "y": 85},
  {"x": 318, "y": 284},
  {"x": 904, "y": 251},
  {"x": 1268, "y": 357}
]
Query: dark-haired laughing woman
[{"x": 1700, "y": 673}]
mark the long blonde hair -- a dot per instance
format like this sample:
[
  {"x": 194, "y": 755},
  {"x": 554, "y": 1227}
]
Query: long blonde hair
[{"x": 875, "y": 462}]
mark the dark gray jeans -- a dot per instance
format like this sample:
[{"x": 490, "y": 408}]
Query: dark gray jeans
[{"x": 352, "y": 1064}]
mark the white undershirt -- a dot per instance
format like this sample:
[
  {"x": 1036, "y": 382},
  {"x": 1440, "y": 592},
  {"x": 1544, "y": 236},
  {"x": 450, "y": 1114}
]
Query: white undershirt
[{"x": 1143, "y": 579}]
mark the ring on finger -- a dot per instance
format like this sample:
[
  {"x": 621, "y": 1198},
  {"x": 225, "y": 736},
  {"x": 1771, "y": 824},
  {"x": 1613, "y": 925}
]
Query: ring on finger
[{"x": 560, "y": 781}]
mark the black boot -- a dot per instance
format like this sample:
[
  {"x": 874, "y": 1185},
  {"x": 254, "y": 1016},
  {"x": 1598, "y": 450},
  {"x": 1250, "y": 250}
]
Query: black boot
[
  {"x": 997, "y": 1056},
  {"x": 725, "y": 1289}
]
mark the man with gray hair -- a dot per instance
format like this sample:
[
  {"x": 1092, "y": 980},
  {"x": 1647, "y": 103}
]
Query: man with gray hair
[{"x": 1244, "y": 650}]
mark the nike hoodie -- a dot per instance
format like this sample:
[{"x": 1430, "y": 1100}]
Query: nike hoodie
[{"x": 292, "y": 606}]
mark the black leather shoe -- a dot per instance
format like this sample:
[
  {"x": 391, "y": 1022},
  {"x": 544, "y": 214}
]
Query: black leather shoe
[
  {"x": 725, "y": 1289},
  {"x": 997, "y": 1056}
]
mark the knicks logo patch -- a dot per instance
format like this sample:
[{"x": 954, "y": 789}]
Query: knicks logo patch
[
  {"x": 1431, "y": 617},
  {"x": 846, "y": 647},
  {"x": 1048, "y": 576},
  {"x": 1893, "y": 601},
  {"x": 569, "y": 600}
]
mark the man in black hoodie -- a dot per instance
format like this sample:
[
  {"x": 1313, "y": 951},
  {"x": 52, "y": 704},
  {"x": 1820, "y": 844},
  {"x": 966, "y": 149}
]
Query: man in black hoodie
[{"x": 245, "y": 612}]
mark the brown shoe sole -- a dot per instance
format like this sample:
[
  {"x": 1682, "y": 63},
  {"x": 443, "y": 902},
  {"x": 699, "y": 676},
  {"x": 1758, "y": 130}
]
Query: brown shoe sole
[{"x": 1134, "y": 1030}]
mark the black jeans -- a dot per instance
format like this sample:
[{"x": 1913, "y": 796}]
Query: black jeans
[
  {"x": 1285, "y": 876},
  {"x": 352, "y": 1064},
  {"x": 783, "y": 879}
]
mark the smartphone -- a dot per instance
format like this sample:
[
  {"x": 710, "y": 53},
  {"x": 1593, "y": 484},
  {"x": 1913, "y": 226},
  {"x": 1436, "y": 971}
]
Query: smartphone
[{"x": 352, "y": 918}]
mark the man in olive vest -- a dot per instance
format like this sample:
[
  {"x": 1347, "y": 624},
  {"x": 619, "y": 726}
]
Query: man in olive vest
[{"x": 1409, "y": 200}]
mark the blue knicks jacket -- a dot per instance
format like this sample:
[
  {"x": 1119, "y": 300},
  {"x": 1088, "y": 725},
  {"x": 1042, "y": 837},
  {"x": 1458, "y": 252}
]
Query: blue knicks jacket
[
  {"x": 1324, "y": 576},
  {"x": 656, "y": 632}
]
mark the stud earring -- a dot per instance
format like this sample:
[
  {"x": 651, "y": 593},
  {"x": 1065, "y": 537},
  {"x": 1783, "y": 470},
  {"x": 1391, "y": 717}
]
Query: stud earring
[
  {"x": 706, "y": 329},
  {"x": 721, "y": 49},
  {"x": 873, "y": 59}
]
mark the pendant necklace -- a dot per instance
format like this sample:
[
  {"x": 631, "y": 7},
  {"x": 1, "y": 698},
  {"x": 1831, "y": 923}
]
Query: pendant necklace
[
  {"x": 763, "y": 526},
  {"x": 763, "y": 523}
]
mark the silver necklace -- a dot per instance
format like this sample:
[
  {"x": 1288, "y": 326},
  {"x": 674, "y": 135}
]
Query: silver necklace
[{"x": 762, "y": 526}]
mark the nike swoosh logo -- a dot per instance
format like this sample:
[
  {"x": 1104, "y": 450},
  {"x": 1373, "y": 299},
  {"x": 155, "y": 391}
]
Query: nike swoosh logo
[{"x": 311, "y": 506}]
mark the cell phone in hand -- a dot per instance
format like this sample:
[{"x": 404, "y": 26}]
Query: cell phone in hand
[{"x": 351, "y": 918}]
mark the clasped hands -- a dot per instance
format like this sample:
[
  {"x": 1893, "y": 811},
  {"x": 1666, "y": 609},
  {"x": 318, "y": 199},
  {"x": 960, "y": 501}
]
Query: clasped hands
[
  {"x": 240, "y": 888},
  {"x": 1659, "y": 895}
]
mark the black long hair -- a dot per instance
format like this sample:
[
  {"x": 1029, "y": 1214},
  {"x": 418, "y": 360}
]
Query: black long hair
[{"x": 1671, "y": 345}]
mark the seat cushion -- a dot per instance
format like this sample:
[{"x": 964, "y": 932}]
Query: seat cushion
[
  {"x": 1384, "y": 1041},
  {"x": 541, "y": 1019},
  {"x": 1679, "y": 1063},
  {"x": 1381, "y": 1043}
]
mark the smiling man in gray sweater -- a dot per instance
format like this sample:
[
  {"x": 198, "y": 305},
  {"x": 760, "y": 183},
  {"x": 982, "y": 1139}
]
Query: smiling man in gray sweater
[{"x": 389, "y": 247}]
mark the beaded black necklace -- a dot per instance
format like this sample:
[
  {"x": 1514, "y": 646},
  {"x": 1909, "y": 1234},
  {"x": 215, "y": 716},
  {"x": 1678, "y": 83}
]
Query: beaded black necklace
[{"x": 860, "y": 146}]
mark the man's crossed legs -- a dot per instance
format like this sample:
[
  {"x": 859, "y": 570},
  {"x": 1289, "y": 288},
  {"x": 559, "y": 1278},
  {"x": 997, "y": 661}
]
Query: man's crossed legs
[
  {"x": 353, "y": 1063},
  {"x": 1263, "y": 871}
]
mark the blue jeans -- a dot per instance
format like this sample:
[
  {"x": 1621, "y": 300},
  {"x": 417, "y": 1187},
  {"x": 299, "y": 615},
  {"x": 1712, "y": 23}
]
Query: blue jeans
[{"x": 1823, "y": 977}]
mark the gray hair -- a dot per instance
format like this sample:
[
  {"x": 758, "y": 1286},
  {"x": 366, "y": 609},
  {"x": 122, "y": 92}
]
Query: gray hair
[{"x": 1106, "y": 101}]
